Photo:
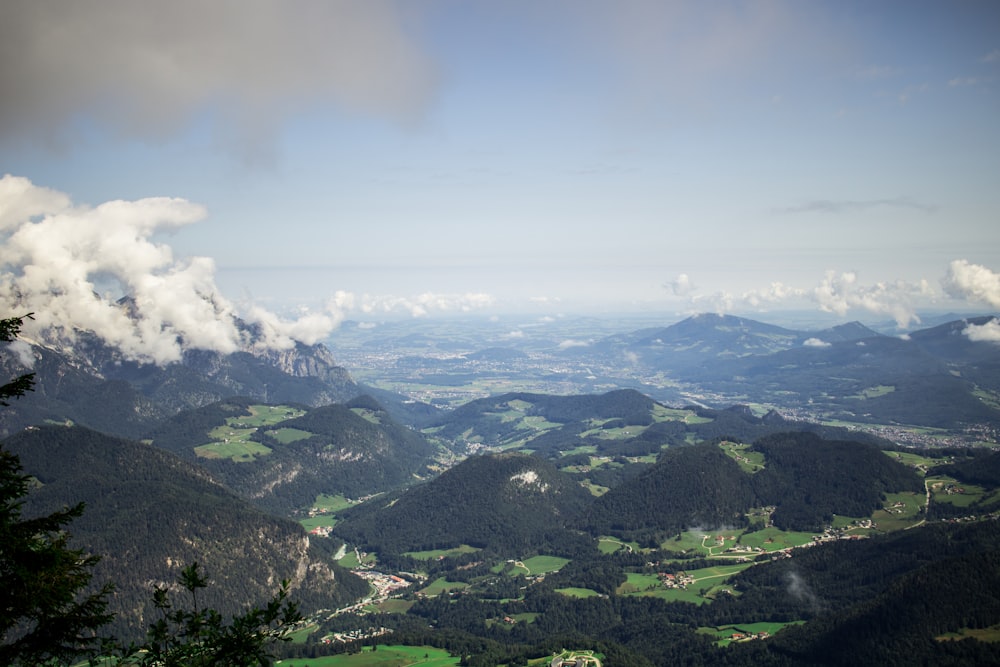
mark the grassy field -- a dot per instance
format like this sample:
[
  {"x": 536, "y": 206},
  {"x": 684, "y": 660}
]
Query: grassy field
[
  {"x": 946, "y": 490},
  {"x": 749, "y": 461},
  {"x": 442, "y": 585},
  {"x": 442, "y": 553},
  {"x": 544, "y": 564},
  {"x": 662, "y": 413},
  {"x": 708, "y": 582},
  {"x": 990, "y": 634},
  {"x": 609, "y": 545},
  {"x": 268, "y": 415},
  {"x": 574, "y": 592},
  {"x": 326, "y": 508},
  {"x": 383, "y": 656},
  {"x": 232, "y": 440},
  {"x": 775, "y": 539},
  {"x": 725, "y": 632},
  {"x": 234, "y": 444},
  {"x": 900, "y": 510},
  {"x": 288, "y": 435},
  {"x": 703, "y": 542}
]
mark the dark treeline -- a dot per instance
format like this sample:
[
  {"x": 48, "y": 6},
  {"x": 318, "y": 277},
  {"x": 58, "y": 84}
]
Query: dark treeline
[{"x": 149, "y": 513}]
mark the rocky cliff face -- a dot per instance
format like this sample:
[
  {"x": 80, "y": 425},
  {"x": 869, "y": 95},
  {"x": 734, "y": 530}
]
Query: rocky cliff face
[{"x": 85, "y": 380}]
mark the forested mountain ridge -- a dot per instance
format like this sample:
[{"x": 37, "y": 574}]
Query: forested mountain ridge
[
  {"x": 148, "y": 514},
  {"x": 353, "y": 451},
  {"x": 508, "y": 503}
]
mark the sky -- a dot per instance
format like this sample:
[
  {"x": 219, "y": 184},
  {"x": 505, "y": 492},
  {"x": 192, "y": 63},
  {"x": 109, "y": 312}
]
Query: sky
[{"x": 303, "y": 162}]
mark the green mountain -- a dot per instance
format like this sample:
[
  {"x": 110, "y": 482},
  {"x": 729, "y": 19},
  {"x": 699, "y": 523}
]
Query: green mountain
[
  {"x": 354, "y": 449},
  {"x": 148, "y": 514},
  {"x": 689, "y": 487},
  {"x": 805, "y": 478},
  {"x": 509, "y": 503}
]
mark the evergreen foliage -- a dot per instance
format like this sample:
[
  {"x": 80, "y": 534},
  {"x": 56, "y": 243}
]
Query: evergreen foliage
[
  {"x": 45, "y": 612},
  {"x": 200, "y": 637}
]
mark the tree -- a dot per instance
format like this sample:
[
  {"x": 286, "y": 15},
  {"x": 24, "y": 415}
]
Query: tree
[
  {"x": 44, "y": 615},
  {"x": 199, "y": 637},
  {"x": 9, "y": 329}
]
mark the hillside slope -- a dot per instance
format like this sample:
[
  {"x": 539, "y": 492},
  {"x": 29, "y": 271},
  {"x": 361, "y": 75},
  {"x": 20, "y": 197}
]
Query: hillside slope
[{"x": 148, "y": 514}]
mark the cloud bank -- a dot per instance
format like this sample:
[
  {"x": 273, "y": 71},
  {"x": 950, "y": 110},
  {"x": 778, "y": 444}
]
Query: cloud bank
[
  {"x": 70, "y": 265},
  {"x": 145, "y": 70},
  {"x": 843, "y": 292}
]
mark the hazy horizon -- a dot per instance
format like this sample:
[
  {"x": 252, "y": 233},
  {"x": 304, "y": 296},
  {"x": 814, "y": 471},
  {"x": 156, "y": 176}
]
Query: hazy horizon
[{"x": 302, "y": 163}]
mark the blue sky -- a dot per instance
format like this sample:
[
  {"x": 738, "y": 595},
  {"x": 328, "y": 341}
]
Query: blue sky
[{"x": 365, "y": 158}]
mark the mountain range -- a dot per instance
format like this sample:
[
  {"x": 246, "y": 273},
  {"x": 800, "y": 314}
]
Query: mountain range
[{"x": 209, "y": 458}]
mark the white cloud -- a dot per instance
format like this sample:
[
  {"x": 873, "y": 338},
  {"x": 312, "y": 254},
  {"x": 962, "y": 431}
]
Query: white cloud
[
  {"x": 57, "y": 259},
  {"x": 681, "y": 285},
  {"x": 421, "y": 305},
  {"x": 992, "y": 57},
  {"x": 984, "y": 333},
  {"x": 840, "y": 293},
  {"x": 570, "y": 343},
  {"x": 973, "y": 282},
  {"x": 816, "y": 342}
]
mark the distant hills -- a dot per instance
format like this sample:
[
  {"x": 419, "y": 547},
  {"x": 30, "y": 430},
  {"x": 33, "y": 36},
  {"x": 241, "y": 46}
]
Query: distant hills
[{"x": 936, "y": 377}]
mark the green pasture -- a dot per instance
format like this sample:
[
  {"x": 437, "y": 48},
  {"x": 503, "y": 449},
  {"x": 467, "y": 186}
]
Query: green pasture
[
  {"x": 288, "y": 435},
  {"x": 874, "y": 392},
  {"x": 442, "y": 585},
  {"x": 350, "y": 560},
  {"x": 595, "y": 490},
  {"x": 749, "y": 461},
  {"x": 383, "y": 656},
  {"x": 300, "y": 635},
  {"x": 236, "y": 445},
  {"x": 916, "y": 460},
  {"x": 317, "y": 521},
  {"x": 900, "y": 510},
  {"x": 703, "y": 542},
  {"x": 544, "y": 564},
  {"x": 940, "y": 492},
  {"x": 331, "y": 504},
  {"x": 725, "y": 632},
  {"x": 442, "y": 553},
  {"x": 990, "y": 634},
  {"x": 232, "y": 439},
  {"x": 662, "y": 413},
  {"x": 775, "y": 539},
  {"x": 609, "y": 545},
  {"x": 575, "y": 592},
  {"x": 637, "y": 582},
  {"x": 583, "y": 449},
  {"x": 268, "y": 415},
  {"x": 394, "y": 606}
]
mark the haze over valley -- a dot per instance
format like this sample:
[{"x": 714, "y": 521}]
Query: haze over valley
[{"x": 500, "y": 333}]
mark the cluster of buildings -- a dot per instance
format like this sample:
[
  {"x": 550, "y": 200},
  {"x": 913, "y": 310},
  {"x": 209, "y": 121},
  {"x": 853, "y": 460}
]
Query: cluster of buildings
[{"x": 679, "y": 580}]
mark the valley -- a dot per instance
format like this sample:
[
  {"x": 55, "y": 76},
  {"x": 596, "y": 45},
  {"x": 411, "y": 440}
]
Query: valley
[{"x": 647, "y": 496}]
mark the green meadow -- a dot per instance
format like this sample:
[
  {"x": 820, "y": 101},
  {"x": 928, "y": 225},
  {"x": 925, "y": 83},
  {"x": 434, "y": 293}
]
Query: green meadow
[
  {"x": 233, "y": 440},
  {"x": 382, "y": 656}
]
